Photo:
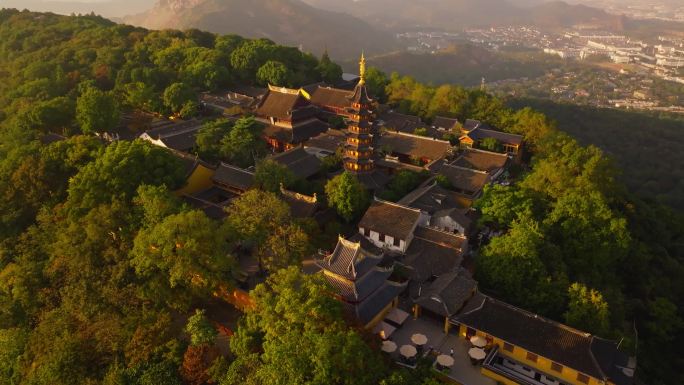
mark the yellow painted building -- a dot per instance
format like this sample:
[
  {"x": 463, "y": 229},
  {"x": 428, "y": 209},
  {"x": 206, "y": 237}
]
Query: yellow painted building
[
  {"x": 198, "y": 175},
  {"x": 524, "y": 348}
]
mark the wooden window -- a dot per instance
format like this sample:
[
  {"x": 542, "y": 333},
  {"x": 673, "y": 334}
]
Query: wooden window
[
  {"x": 508, "y": 347},
  {"x": 366, "y": 232},
  {"x": 557, "y": 367},
  {"x": 397, "y": 242},
  {"x": 531, "y": 357},
  {"x": 381, "y": 237},
  {"x": 583, "y": 378}
]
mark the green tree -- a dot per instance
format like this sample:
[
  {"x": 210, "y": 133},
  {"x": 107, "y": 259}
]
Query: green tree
[
  {"x": 502, "y": 205},
  {"x": 347, "y": 195},
  {"x": 255, "y": 215},
  {"x": 179, "y": 96},
  {"x": 513, "y": 265},
  {"x": 491, "y": 144},
  {"x": 156, "y": 203},
  {"x": 159, "y": 373},
  {"x": 52, "y": 115},
  {"x": 200, "y": 329},
  {"x": 209, "y": 137},
  {"x": 449, "y": 100},
  {"x": 330, "y": 72},
  {"x": 96, "y": 111},
  {"x": 422, "y": 131},
  {"x": 401, "y": 184},
  {"x": 12, "y": 344},
  {"x": 664, "y": 322},
  {"x": 587, "y": 310},
  {"x": 333, "y": 162},
  {"x": 286, "y": 246},
  {"x": 249, "y": 56},
  {"x": 186, "y": 250},
  {"x": 376, "y": 81},
  {"x": 120, "y": 169},
  {"x": 270, "y": 175},
  {"x": 274, "y": 73},
  {"x": 138, "y": 95},
  {"x": 243, "y": 144},
  {"x": 444, "y": 182},
  {"x": 293, "y": 310}
]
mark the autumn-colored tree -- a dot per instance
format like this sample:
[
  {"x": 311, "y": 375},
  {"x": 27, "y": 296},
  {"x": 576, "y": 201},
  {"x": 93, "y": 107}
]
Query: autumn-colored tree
[{"x": 197, "y": 360}]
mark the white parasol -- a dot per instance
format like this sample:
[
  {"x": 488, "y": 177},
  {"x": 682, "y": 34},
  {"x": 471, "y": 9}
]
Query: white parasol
[
  {"x": 478, "y": 341},
  {"x": 477, "y": 353},
  {"x": 389, "y": 346},
  {"x": 408, "y": 351},
  {"x": 446, "y": 361},
  {"x": 419, "y": 339}
]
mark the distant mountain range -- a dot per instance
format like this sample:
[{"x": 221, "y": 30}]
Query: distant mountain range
[
  {"x": 344, "y": 27},
  {"x": 400, "y": 15},
  {"x": 290, "y": 22}
]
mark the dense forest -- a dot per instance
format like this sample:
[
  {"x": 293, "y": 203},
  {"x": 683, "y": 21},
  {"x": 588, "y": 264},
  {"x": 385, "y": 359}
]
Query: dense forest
[
  {"x": 645, "y": 145},
  {"x": 104, "y": 274},
  {"x": 473, "y": 63}
]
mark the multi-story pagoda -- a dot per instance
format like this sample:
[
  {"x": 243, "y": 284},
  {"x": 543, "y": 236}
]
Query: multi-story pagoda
[{"x": 358, "y": 150}]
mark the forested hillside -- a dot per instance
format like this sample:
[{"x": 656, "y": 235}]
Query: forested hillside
[
  {"x": 101, "y": 267},
  {"x": 104, "y": 272},
  {"x": 646, "y": 146},
  {"x": 464, "y": 64}
]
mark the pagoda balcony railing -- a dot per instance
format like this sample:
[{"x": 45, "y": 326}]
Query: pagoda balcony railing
[
  {"x": 515, "y": 372},
  {"x": 357, "y": 156}
]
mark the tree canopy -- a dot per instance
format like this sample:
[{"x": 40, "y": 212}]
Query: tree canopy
[
  {"x": 96, "y": 111},
  {"x": 347, "y": 195}
]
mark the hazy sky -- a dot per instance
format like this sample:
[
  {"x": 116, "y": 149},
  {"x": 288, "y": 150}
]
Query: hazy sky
[{"x": 119, "y": 8}]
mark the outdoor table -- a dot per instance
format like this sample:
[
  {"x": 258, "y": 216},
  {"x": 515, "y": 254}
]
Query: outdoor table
[
  {"x": 476, "y": 355},
  {"x": 408, "y": 351},
  {"x": 444, "y": 361},
  {"x": 419, "y": 339},
  {"x": 478, "y": 341},
  {"x": 389, "y": 346}
]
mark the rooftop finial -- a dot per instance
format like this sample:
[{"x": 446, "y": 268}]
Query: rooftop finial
[{"x": 362, "y": 69}]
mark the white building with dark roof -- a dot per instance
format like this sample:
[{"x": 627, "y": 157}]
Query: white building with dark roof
[{"x": 390, "y": 225}]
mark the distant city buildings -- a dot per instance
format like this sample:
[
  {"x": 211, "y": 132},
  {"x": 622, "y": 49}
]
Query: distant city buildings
[{"x": 625, "y": 67}]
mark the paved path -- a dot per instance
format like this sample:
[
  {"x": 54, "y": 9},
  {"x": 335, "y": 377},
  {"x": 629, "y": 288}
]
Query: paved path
[{"x": 462, "y": 371}]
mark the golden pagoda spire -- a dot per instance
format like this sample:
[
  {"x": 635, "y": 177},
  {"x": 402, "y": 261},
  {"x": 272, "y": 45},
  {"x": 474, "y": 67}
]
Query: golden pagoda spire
[{"x": 362, "y": 70}]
